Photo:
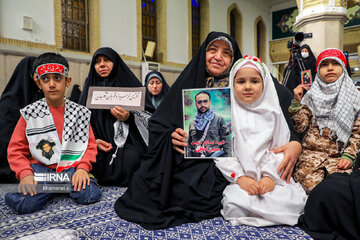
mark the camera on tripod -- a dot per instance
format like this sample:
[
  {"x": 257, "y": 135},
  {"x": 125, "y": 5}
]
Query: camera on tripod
[{"x": 294, "y": 44}]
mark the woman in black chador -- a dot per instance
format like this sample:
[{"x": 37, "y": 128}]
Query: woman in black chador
[
  {"x": 20, "y": 91},
  {"x": 168, "y": 190},
  {"x": 156, "y": 87},
  {"x": 292, "y": 72},
  {"x": 75, "y": 93},
  {"x": 121, "y": 135},
  {"x": 332, "y": 210}
]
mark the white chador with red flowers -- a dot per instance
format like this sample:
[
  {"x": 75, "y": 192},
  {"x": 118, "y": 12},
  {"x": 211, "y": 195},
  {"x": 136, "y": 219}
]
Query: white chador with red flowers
[{"x": 257, "y": 128}]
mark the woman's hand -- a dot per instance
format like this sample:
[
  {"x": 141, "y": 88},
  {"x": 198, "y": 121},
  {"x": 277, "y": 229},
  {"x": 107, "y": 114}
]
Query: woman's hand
[
  {"x": 103, "y": 146},
  {"x": 292, "y": 151},
  {"x": 120, "y": 114},
  {"x": 178, "y": 140}
]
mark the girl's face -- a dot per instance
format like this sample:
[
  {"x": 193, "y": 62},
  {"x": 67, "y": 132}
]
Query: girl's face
[
  {"x": 155, "y": 86},
  {"x": 330, "y": 70},
  {"x": 103, "y": 66},
  {"x": 218, "y": 58},
  {"x": 248, "y": 85}
]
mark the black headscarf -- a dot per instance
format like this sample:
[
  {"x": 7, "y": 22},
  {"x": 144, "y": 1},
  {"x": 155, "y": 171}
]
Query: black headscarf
[
  {"x": 310, "y": 62},
  {"x": 120, "y": 76},
  {"x": 75, "y": 93},
  {"x": 294, "y": 78},
  {"x": 169, "y": 190},
  {"x": 102, "y": 122},
  {"x": 156, "y": 100},
  {"x": 20, "y": 91}
]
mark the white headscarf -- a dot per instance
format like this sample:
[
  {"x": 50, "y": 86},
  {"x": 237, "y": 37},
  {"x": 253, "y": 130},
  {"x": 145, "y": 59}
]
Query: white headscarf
[
  {"x": 334, "y": 105},
  {"x": 259, "y": 126}
]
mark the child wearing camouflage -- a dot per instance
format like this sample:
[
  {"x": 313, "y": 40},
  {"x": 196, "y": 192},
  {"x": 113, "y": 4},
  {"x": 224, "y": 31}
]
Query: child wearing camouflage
[{"x": 330, "y": 112}]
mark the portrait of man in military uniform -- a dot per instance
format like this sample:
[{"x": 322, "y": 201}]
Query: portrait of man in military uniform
[{"x": 209, "y": 134}]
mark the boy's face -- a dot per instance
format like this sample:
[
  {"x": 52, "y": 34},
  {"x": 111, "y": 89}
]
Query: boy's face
[
  {"x": 330, "y": 70},
  {"x": 248, "y": 85},
  {"x": 53, "y": 86}
]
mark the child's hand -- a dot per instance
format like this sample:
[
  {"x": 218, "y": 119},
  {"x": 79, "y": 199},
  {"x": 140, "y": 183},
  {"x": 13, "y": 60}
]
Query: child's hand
[
  {"x": 298, "y": 92},
  {"x": 80, "y": 179},
  {"x": 344, "y": 164},
  {"x": 120, "y": 113},
  {"x": 266, "y": 184},
  {"x": 103, "y": 146},
  {"x": 28, "y": 185},
  {"x": 248, "y": 184}
]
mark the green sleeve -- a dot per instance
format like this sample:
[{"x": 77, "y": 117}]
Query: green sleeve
[
  {"x": 294, "y": 106},
  {"x": 349, "y": 157}
]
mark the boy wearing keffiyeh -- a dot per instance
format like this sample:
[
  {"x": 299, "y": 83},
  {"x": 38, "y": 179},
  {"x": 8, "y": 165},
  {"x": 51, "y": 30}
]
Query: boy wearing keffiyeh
[
  {"x": 52, "y": 135},
  {"x": 330, "y": 111}
]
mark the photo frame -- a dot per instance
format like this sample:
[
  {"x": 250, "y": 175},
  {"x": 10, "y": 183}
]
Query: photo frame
[
  {"x": 306, "y": 78},
  {"x": 207, "y": 136}
]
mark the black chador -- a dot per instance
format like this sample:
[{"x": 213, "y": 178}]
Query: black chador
[
  {"x": 20, "y": 91},
  {"x": 116, "y": 167}
]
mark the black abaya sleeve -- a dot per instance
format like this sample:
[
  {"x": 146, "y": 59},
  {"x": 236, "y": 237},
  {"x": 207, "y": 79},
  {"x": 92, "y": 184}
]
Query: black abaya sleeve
[{"x": 285, "y": 97}]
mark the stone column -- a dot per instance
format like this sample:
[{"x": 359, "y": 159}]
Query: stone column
[{"x": 325, "y": 20}]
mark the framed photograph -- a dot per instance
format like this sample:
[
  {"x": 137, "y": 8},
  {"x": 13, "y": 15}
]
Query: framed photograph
[
  {"x": 207, "y": 122},
  {"x": 306, "y": 78},
  {"x": 109, "y": 97}
]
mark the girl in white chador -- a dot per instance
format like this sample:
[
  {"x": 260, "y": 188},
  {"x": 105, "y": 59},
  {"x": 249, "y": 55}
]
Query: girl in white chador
[{"x": 256, "y": 195}]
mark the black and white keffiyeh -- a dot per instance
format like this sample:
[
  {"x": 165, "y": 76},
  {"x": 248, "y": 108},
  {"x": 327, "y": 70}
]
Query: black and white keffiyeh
[
  {"x": 44, "y": 142},
  {"x": 202, "y": 119},
  {"x": 121, "y": 130}
]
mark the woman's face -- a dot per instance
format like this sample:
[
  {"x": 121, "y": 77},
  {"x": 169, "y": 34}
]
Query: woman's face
[
  {"x": 103, "y": 66},
  {"x": 218, "y": 57},
  {"x": 304, "y": 50},
  {"x": 155, "y": 86}
]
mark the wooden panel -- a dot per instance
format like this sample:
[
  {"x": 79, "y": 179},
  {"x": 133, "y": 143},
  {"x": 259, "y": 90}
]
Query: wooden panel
[{"x": 278, "y": 50}]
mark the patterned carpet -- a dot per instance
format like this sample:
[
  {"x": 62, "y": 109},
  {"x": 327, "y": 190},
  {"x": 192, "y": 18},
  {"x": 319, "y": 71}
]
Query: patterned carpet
[{"x": 99, "y": 221}]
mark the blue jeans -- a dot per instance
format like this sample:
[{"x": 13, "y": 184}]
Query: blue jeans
[{"x": 27, "y": 204}]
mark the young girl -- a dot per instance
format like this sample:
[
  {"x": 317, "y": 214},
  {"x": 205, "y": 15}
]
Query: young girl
[
  {"x": 330, "y": 111},
  {"x": 256, "y": 195}
]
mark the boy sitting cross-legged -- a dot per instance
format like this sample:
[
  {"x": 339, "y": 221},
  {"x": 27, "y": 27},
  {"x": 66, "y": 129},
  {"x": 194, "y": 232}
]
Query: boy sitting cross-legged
[{"x": 52, "y": 135}]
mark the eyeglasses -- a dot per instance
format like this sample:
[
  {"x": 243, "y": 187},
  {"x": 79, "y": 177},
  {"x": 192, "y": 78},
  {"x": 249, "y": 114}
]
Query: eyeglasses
[{"x": 202, "y": 101}]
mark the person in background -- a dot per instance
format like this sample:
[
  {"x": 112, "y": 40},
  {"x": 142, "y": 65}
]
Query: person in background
[
  {"x": 292, "y": 73},
  {"x": 75, "y": 93},
  {"x": 156, "y": 87},
  {"x": 20, "y": 91}
]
